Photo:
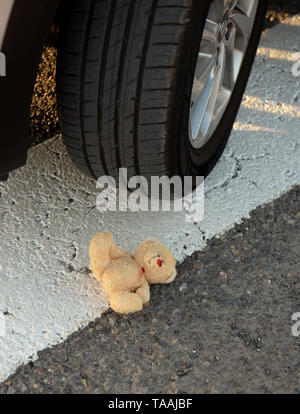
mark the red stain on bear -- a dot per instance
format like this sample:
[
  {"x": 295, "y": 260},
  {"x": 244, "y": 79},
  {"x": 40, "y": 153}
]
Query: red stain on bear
[{"x": 141, "y": 273}]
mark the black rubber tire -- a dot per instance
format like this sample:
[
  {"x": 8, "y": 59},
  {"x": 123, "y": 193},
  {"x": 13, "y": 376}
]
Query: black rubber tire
[{"x": 125, "y": 73}]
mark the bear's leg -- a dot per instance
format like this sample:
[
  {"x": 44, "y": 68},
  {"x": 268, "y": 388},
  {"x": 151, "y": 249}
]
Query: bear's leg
[
  {"x": 99, "y": 253},
  {"x": 126, "y": 302},
  {"x": 144, "y": 292}
]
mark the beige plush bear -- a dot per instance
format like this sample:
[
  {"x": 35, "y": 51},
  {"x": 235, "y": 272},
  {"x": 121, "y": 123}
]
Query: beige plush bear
[{"x": 126, "y": 278}]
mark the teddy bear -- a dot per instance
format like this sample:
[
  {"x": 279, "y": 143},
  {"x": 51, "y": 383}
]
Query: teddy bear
[{"x": 125, "y": 277}]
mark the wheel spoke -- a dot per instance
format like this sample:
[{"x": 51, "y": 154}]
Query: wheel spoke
[
  {"x": 204, "y": 107},
  {"x": 224, "y": 95},
  {"x": 242, "y": 22},
  {"x": 210, "y": 31},
  {"x": 204, "y": 67},
  {"x": 216, "y": 10},
  {"x": 232, "y": 61},
  {"x": 246, "y": 7}
]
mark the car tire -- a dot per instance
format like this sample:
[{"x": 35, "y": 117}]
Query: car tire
[{"x": 125, "y": 76}]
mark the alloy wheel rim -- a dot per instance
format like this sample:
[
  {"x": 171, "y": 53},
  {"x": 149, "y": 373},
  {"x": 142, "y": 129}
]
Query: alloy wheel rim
[{"x": 225, "y": 39}]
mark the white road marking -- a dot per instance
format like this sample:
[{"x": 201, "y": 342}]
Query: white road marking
[{"x": 48, "y": 219}]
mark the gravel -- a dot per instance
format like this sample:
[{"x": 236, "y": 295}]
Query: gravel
[
  {"x": 223, "y": 326},
  {"x": 279, "y": 10}
]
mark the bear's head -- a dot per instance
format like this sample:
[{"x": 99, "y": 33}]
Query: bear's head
[{"x": 157, "y": 261}]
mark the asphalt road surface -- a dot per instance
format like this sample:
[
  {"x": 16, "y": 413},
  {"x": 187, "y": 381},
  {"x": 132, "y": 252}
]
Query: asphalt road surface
[{"x": 223, "y": 326}]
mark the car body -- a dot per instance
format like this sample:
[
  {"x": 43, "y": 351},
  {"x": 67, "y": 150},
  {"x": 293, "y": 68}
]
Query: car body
[{"x": 24, "y": 25}]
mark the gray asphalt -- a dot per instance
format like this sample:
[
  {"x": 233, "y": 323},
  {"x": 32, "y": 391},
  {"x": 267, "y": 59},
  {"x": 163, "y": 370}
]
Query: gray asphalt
[{"x": 223, "y": 326}]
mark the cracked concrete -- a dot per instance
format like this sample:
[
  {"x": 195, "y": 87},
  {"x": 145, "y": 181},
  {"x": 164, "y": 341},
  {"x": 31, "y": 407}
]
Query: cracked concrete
[{"x": 48, "y": 213}]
